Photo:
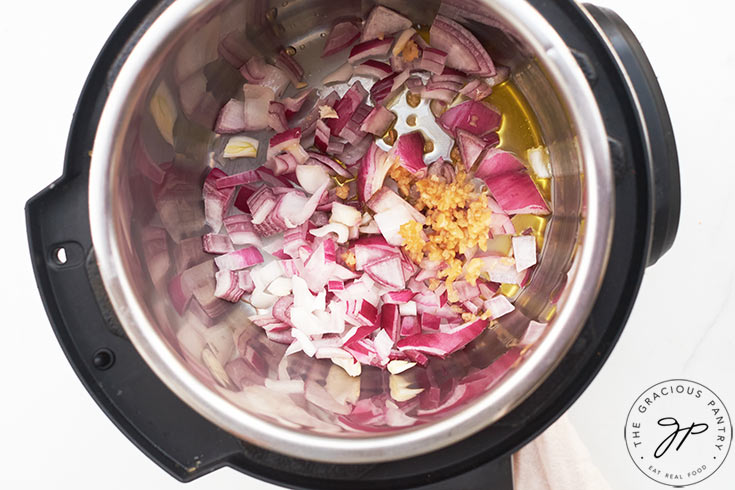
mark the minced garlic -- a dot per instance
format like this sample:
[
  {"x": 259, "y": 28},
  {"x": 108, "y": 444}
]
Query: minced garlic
[
  {"x": 458, "y": 219},
  {"x": 403, "y": 178}
]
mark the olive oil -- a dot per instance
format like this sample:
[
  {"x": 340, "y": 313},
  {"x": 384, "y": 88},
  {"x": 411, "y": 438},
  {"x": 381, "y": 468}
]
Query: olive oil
[{"x": 519, "y": 130}]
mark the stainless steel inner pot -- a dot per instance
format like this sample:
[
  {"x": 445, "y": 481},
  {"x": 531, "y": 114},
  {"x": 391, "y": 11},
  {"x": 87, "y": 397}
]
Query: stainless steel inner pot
[{"x": 162, "y": 108}]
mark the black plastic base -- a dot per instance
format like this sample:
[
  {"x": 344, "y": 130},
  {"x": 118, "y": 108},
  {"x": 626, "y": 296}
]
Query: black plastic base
[{"x": 186, "y": 445}]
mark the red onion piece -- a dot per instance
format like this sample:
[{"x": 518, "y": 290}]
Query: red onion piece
[
  {"x": 474, "y": 117},
  {"x": 442, "y": 344},
  {"x": 321, "y": 137},
  {"x": 373, "y": 68},
  {"x": 378, "y": 121},
  {"x": 241, "y": 230},
  {"x": 238, "y": 179},
  {"x": 476, "y": 90},
  {"x": 383, "y": 21},
  {"x": 470, "y": 147},
  {"x": 390, "y": 321},
  {"x": 231, "y": 119},
  {"x": 281, "y": 141},
  {"x": 256, "y": 106},
  {"x": 398, "y": 297},
  {"x": 432, "y": 60},
  {"x": 216, "y": 202},
  {"x": 342, "y": 36},
  {"x": 375, "y": 48},
  {"x": 464, "y": 50},
  {"x": 240, "y": 259},
  {"x": 352, "y": 132},
  {"x": 346, "y": 107},
  {"x": 241, "y": 201},
  {"x": 228, "y": 287},
  {"x": 387, "y": 272},
  {"x": 217, "y": 244},
  {"x": 329, "y": 163},
  {"x": 409, "y": 152},
  {"x": 277, "y": 117},
  {"x": 451, "y": 75},
  {"x": 374, "y": 168},
  {"x": 386, "y": 199}
]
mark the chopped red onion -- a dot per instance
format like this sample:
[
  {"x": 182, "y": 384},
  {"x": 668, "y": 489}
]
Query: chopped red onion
[
  {"x": 342, "y": 36},
  {"x": 375, "y": 48},
  {"x": 346, "y": 108},
  {"x": 321, "y": 137},
  {"x": 475, "y": 117},
  {"x": 277, "y": 117},
  {"x": 281, "y": 141},
  {"x": 236, "y": 180},
  {"x": 470, "y": 147},
  {"x": 217, "y": 244},
  {"x": 241, "y": 230},
  {"x": 373, "y": 170},
  {"x": 228, "y": 287},
  {"x": 476, "y": 90},
  {"x": 432, "y": 60},
  {"x": 383, "y": 21},
  {"x": 256, "y": 106},
  {"x": 464, "y": 50},
  {"x": 386, "y": 199},
  {"x": 442, "y": 344},
  {"x": 231, "y": 119},
  {"x": 240, "y": 259},
  {"x": 373, "y": 69}
]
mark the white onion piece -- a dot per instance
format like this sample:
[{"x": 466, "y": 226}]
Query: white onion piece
[
  {"x": 539, "y": 160},
  {"x": 499, "y": 306},
  {"x": 502, "y": 270},
  {"x": 524, "y": 251},
  {"x": 305, "y": 321},
  {"x": 342, "y": 232},
  {"x": 241, "y": 147},
  {"x": 351, "y": 366},
  {"x": 306, "y": 344},
  {"x": 260, "y": 299},
  {"x": 347, "y": 215},
  {"x": 390, "y": 222},
  {"x": 302, "y": 297},
  {"x": 407, "y": 309},
  {"x": 397, "y": 366},
  {"x": 280, "y": 286},
  {"x": 383, "y": 344},
  {"x": 264, "y": 275},
  {"x": 311, "y": 177}
]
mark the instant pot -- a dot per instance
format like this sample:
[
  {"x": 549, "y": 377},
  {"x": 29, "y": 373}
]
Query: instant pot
[{"x": 108, "y": 236}]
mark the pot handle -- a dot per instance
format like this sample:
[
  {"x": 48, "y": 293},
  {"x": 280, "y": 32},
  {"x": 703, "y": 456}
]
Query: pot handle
[
  {"x": 169, "y": 432},
  {"x": 663, "y": 160}
]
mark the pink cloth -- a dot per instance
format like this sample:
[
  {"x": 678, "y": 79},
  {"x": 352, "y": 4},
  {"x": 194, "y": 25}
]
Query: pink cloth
[{"x": 556, "y": 460}]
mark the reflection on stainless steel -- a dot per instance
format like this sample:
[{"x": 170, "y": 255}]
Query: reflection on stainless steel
[{"x": 155, "y": 144}]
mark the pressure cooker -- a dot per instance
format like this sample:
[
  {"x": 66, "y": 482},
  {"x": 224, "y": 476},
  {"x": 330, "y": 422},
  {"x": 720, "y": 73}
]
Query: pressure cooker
[{"x": 615, "y": 197}]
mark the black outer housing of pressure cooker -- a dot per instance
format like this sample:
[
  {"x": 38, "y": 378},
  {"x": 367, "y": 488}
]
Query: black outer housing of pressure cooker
[{"x": 647, "y": 203}]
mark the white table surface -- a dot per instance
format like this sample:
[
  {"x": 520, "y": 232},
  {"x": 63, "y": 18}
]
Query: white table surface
[{"x": 54, "y": 436}]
